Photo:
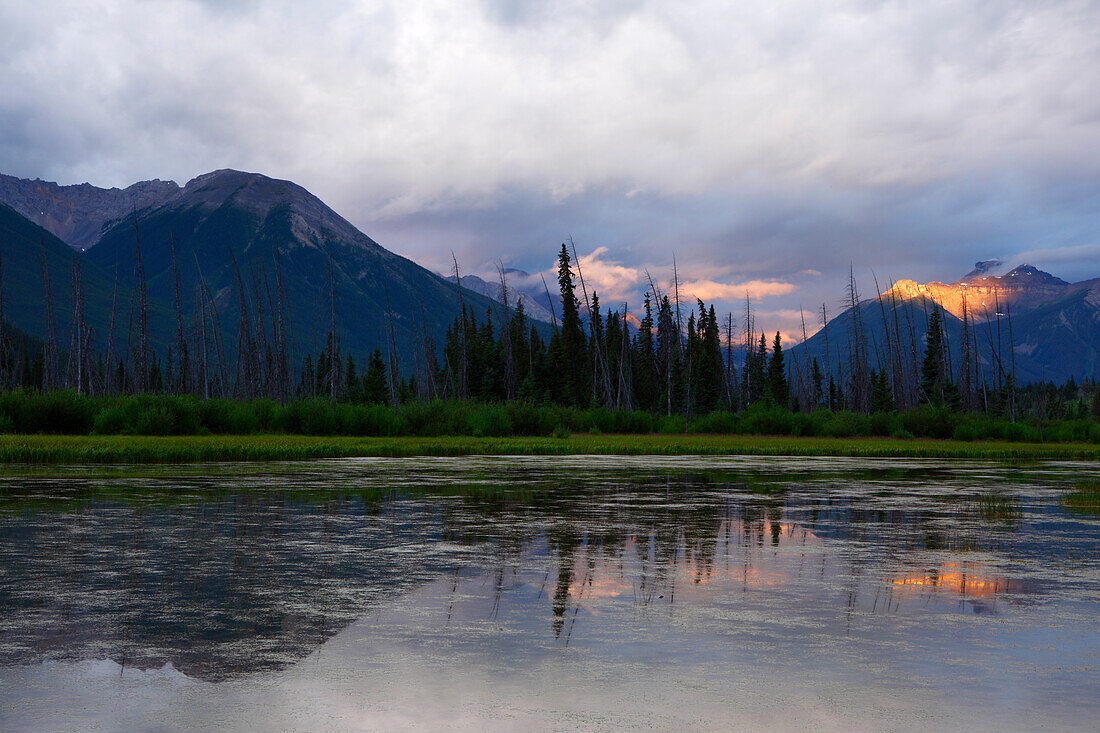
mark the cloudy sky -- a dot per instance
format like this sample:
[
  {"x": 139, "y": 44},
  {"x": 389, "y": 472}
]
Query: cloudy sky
[{"x": 767, "y": 145}]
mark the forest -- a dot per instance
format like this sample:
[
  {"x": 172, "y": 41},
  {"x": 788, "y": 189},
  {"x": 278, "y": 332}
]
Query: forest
[{"x": 680, "y": 369}]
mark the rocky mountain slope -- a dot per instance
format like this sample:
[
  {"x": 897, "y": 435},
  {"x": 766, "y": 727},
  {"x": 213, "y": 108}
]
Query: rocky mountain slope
[
  {"x": 226, "y": 222},
  {"x": 1051, "y": 327},
  {"x": 79, "y": 214},
  {"x": 521, "y": 289}
]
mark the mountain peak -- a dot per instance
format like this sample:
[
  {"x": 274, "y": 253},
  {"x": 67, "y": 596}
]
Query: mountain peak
[
  {"x": 983, "y": 293},
  {"x": 1033, "y": 275},
  {"x": 983, "y": 268}
]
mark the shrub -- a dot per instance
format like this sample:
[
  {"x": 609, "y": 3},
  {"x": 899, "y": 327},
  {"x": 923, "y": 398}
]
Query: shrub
[{"x": 672, "y": 424}]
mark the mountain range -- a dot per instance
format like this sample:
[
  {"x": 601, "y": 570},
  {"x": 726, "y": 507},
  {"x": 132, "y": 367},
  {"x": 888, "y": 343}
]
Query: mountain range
[
  {"x": 230, "y": 229},
  {"x": 1048, "y": 327},
  {"x": 225, "y": 227}
]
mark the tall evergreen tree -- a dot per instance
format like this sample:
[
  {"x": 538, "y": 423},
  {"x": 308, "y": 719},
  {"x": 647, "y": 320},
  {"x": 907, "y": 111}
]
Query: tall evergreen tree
[
  {"x": 376, "y": 388},
  {"x": 571, "y": 353},
  {"x": 644, "y": 362},
  {"x": 816, "y": 378},
  {"x": 933, "y": 366},
  {"x": 882, "y": 397},
  {"x": 777, "y": 373},
  {"x": 709, "y": 370}
]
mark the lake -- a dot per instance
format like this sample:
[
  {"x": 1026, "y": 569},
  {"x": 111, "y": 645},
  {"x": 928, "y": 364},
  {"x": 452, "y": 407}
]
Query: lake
[{"x": 550, "y": 593}]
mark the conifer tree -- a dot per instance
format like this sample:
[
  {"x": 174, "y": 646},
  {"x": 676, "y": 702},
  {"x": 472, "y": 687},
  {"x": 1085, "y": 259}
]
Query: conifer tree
[
  {"x": 816, "y": 378},
  {"x": 932, "y": 368},
  {"x": 882, "y": 398},
  {"x": 376, "y": 390},
  {"x": 777, "y": 374},
  {"x": 571, "y": 348},
  {"x": 643, "y": 361}
]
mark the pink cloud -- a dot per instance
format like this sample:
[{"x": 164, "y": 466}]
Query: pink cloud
[{"x": 711, "y": 290}]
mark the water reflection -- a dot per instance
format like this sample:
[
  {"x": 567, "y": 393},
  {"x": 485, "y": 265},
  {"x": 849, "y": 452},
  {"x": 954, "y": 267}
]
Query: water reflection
[{"x": 234, "y": 573}]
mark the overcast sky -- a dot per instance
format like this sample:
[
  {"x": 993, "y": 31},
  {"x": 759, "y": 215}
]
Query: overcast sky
[{"x": 767, "y": 144}]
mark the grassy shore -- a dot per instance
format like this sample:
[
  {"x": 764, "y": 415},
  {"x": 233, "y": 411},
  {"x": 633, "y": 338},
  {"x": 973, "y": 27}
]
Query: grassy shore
[{"x": 83, "y": 449}]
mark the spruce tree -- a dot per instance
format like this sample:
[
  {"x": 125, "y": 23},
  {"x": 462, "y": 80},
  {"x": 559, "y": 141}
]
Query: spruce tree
[
  {"x": 644, "y": 361},
  {"x": 777, "y": 373},
  {"x": 709, "y": 370},
  {"x": 351, "y": 381},
  {"x": 571, "y": 356},
  {"x": 375, "y": 387},
  {"x": 882, "y": 397},
  {"x": 760, "y": 369},
  {"x": 932, "y": 365}
]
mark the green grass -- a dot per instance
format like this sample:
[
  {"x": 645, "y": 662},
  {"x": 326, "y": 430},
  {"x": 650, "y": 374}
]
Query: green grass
[{"x": 106, "y": 449}]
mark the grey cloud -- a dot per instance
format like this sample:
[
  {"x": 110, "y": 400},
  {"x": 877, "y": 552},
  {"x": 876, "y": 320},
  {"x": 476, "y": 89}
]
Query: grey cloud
[{"x": 754, "y": 140}]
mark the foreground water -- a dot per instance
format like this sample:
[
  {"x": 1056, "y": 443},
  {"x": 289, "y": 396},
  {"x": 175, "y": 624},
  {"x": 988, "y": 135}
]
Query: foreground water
[{"x": 550, "y": 593}]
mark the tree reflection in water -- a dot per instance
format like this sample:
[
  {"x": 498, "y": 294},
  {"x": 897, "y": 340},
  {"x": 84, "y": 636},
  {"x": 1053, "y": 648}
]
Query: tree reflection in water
[{"x": 236, "y": 572}]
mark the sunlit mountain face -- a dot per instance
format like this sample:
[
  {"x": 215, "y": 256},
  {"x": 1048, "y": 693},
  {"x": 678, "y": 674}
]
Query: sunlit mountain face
[
  {"x": 983, "y": 296},
  {"x": 1041, "y": 326}
]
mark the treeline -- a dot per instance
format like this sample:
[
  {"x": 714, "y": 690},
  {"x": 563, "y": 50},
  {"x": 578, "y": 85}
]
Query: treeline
[
  {"x": 672, "y": 360},
  {"x": 67, "y": 412}
]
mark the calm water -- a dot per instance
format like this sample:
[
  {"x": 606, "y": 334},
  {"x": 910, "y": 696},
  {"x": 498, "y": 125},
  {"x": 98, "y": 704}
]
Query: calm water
[{"x": 550, "y": 593}]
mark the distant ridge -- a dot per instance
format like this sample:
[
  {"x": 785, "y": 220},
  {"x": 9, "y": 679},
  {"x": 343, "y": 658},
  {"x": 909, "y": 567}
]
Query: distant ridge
[
  {"x": 228, "y": 216},
  {"x": 1051, "y": 326},
  {"x": 79, "y": 214}
]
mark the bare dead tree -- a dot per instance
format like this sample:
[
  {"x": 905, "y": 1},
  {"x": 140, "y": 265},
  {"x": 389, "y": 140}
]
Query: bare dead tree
[
  {"x": 625, "y": 399},
  {"x": 857, "y": 350},
  {"x": 109, "y": 382},
  {"x": 282, "y": 345},
  {"x": 601, "y": 376},
  {"x": 263, "y": 350},
  {"x": 676, "y": 294},
  {"x": 828, "y": 356},
  {"x": 966, "y": 387},
  {"x": 891, "y": 354},
  {"x": 141, "y": 363},
  {"x": 506, "y": 338},
  {"x": 246, "y": 377},
  {"x": 550, "y": 303},
  {"x": 222, "y": 366},
  {"x": 6, "y": 353},
  {"x": 334, "y": 350},
  {"x": 76, "y": 372},
  {"x": 430, "y": 363},
  {"x": 49, "y": 361},
  {"x": 1012, "y": 376},
  {"x": 204, "y": 345},
  {"x": 183, "y": 371},
  {"x": 391, "y": 347},
  {"x": 729, "y": 362},
  {"x": 462, "y": 375}
]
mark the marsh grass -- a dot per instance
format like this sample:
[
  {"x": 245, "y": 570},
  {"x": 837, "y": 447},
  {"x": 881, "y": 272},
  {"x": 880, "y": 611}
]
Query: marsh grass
[
  {"x": 998, "y": 508},
  {"x": 118, "y": 449},
  {"x": 1084, "y": 497}
]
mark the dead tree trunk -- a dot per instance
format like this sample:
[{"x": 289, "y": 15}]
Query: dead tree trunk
[
  {"x": 334, "y": 349},
  {"x": 506, "y": 339},
  {"x": 392, "y": 349},
  {"x": 461, "y": 386},
  {"x": 75, "y": 376},
  {"x": 49, "y": 361},
  {"x": 141, "y": 364},
  {"x": 600, "y": 376}
]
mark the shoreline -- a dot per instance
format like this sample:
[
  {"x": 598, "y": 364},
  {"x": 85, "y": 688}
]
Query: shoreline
[{"x": 124, "y": 449}]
